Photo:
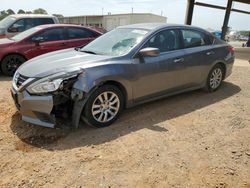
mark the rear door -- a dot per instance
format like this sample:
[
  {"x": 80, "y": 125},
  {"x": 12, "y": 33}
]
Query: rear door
[
  {"x": 52, "y": 39},
  {"x": 199, "y": 55},
  {"x": 76, "y": 36}
]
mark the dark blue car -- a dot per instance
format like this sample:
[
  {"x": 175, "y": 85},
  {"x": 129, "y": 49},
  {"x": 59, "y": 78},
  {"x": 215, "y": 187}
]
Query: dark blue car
[{"x": 125, "y": 67}]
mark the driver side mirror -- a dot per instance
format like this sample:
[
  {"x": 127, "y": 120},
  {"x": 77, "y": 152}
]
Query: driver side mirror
[
  {"x": 13, "y": 29},
  {"x": 149, "y": 52},
  {"x": 37, "y": 40}
]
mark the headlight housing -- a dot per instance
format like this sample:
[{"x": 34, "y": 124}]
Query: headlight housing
[
  {"x": 45, "y": 87},
  {"x": 51, "y": 83}
]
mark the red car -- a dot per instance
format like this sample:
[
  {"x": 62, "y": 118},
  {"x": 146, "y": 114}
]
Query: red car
[{"x": 40, "y": 40}]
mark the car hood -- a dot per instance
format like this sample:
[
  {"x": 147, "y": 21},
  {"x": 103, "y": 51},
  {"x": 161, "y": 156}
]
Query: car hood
[{"x": 60, "y": 61}]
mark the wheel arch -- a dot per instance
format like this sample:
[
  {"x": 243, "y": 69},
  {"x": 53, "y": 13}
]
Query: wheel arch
[
  {"x": 6, "y": 55},
  {"x": 224, "y": 67},
  {"x": 14, "y": 53},
  {"x": 88, "y": 84},
  {"x": 79, "y": 105},
  {"x": 119, "y": 85}
]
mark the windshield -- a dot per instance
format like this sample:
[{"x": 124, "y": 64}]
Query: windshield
[
  {"x": 116, "y": 42},
  {"x": 7, "y": 21},
  {"x": 26, "y": 33}
]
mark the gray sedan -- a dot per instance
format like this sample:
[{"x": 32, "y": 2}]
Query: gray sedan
[{"x": 125, "y": 67}]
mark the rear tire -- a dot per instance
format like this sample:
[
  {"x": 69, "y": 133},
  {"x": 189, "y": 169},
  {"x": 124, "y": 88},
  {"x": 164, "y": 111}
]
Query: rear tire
[
  {"x": 10, "y": 64},
  {"x": 215, "y": 78},
  {"x": 103, "y": 106}
]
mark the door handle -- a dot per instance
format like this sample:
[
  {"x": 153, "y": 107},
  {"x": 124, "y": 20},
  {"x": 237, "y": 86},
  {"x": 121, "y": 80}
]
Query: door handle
[
  {"x": 179, "y": 60},
  {"x": 210, "y": 53}
]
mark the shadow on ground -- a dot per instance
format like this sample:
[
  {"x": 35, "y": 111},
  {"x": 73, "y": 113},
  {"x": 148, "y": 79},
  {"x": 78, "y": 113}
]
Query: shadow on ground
[
  {"x": 5, "y": 78},
  {"x": 147, "y": 116}
]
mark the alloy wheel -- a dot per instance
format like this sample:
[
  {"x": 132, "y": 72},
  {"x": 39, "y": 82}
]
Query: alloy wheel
[
  {"x": 105, "y": 107},
  {"x": 11, "y": 63},
  {"x": 216, "y": 78}
]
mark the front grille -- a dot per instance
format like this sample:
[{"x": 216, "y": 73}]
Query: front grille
[{"x": 20, "y": 79}]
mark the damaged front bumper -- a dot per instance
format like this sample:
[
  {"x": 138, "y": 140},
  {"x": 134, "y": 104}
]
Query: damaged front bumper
[
  {"x": 35, "y": 109},
  {"x": 43, "y": 109}
]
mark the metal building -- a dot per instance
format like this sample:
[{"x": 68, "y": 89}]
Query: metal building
[{"x": 109, "y": 22}]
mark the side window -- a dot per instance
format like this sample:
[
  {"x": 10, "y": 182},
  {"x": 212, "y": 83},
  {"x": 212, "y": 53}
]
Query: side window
[
  {"x": 22, "y": 25},
  {"x": 167, "y": 40},
  {"x": 43, "y": 21},
  {"x": 193, "y": 38},
  {"x": 211, "y": 39},
  {"x": 78, "y": 33},
  {"x": 51, "y": 35},
  {"x": 18, "y": 26},
  {"x": 29, "y": 23}
]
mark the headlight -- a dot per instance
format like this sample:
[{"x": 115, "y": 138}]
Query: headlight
[
  {"x": 45, "y": 87},
  {"x": 52, "y": 82}
]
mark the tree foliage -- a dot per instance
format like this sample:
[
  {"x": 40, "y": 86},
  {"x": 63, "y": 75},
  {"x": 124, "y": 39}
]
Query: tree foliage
[
  {"x": 5, "y": 13},
  {"x": 58, "y": 15},
  {"x": 10, "y": 12},
  {"x": 21, "y": 11},
  {"x": 28, "y": 12},
  {"x": 40, "y": 11}
]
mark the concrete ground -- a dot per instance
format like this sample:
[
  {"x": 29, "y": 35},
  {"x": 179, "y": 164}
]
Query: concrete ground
[{"x": 194, "y": 139}]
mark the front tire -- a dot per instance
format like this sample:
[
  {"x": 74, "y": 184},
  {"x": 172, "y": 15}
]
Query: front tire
[
  {"x": 10, "y": 64},
  {"x": 215, "y": 78},
  {"x": 103, "y": 106}
]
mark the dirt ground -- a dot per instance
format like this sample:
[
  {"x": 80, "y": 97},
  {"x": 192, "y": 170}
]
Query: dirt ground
[{"x": 194, "y": 139}]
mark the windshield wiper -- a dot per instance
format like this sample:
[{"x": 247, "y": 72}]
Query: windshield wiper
[{"x": 88, "y": 51}]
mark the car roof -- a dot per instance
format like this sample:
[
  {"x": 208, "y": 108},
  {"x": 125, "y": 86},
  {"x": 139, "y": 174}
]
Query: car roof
[
  {"x": 156, "y": 26},
  {"x": 31, "y": 16},
  {"x": 65, "y": 25}
]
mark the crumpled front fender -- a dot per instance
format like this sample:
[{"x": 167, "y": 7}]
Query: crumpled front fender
[{"x": 80, "y": 93}]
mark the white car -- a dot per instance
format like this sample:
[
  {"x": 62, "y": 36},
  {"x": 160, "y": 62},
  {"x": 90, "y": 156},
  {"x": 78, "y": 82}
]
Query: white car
[{"x": 17, "y": 23}]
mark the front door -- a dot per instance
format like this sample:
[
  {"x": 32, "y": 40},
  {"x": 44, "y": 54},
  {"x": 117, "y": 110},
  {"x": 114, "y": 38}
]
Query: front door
[
  {"x": 51, "y": 40},
  {"x": 155, "y": 75}
]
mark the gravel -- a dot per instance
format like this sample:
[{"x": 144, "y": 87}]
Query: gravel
[{"x": 194, "y": 139}]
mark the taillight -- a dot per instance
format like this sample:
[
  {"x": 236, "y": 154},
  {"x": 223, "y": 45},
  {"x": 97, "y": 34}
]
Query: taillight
[{"x": 231, "y": 49}]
